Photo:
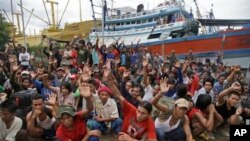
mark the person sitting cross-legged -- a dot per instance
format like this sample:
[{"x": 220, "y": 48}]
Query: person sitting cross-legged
[{"x": 106, "y": 112}]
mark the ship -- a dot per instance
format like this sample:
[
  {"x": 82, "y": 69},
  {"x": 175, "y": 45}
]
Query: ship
[
  {"x": 169, "y": 27},
  {"x": 53, "y": 31}
]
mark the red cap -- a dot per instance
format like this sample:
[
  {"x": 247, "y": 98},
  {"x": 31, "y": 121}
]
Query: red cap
[{"x": 105, "y": 89}]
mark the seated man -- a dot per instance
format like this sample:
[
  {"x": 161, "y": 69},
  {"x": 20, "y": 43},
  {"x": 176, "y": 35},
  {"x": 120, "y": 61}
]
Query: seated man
[
  {"x": 41, "y": 121},
  {"x": 9, "y": 123},
  {"x": 106, "y": 113},
  {"x": 227, "y": 107},
  {"x": 171, "y": 122},
  {"x": 73, "y": 126}
]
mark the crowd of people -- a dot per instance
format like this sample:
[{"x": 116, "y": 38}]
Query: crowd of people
[{"x": 86, "y": 90}]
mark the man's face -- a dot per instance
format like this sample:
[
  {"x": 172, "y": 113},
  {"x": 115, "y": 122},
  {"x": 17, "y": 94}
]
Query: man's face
[
  {"x": 92, "y": 88},
  {"x": 156, "y": 90},
  {"x": 104, "y": 97},
  {"x": 180, "y": 111},
  {"x": 73, "y": 81},
  {"x": 67, "y": 120},
  {"x": 6, "y": 115},
  {"x": 233, "y": 100},
  {"x": 60, "y": 73},
  {"x": 208, "y": 86},
  {"x": 129, "y": 86},
  {"x": 26, "y": 83},
  {"x": 136, "y": 92},
  {"x": 221, "y": 80},
  {"x": 37, "y": 104},
  {"x": 141, "y": 114}
]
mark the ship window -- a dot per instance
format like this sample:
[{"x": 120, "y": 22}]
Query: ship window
[
  {"x": 127, "y": 23},
  {"x": 144, "y": 21},
  {"x": 118, "y": 24},
  {"x": 150, "y": 20},
  {"x": 138, "y": 22},
  {"x": 133, "y": 22},
  {"x": 153, "y": 36},
  {"x": 122, "y": 23}
]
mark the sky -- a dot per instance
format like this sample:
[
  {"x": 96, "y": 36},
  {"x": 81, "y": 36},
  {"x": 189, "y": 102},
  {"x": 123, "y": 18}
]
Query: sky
[{"x": 223, "y": 9}]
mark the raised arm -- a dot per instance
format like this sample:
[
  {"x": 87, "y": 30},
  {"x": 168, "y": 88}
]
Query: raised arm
[
  {"x": 155, "y": 101},
  {"x": 235, "y": 87},
  {"x": 111, "y": 82},
  {"x": 84, "y": 90}
]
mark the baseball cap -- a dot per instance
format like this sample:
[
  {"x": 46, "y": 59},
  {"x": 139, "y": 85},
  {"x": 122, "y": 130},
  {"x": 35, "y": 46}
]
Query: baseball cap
[
  {"x": 181, "y": 102},
  {"x": 25, "y": 72},
  {"x": 60, "y": 68},
  {"x": 68, "y": 109}
]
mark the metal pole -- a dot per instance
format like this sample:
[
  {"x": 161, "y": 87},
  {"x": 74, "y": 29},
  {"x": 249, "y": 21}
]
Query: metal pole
[
  {"x": 222, "y": 47},
  {"x": 103, "y": 14},
  {"x": 12, "y": 12},
  {"x": 24, "y": 36},
  {"x": 29, "y": 19},
  {"x": 80, "y": 6}
]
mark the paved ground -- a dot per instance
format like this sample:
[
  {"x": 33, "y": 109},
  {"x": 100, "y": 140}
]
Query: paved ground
[{"x": 109, "y": 137}]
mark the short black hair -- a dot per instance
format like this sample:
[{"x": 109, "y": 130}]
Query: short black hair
[
  {"x": 203, "y": 101},
  {"x": 234, "y": 93},
  {"x": 68, "y": 86},
  {"x": 36, "y": 97},
  {"x": 10, "y": 105},
  {"x": 208, "y": 79},
  {"x": 147, "y": 105},
  {"x": 181, "y": 90},
  {"x": 137, "y": 85}
]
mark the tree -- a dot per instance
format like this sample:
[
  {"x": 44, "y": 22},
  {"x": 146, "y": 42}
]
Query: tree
[{"x": 4, "y": 31}]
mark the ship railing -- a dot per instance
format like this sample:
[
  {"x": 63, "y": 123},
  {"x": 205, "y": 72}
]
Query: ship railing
[
  {"x": 141, "y": 30},
  {"x": 143, "y": 13}
]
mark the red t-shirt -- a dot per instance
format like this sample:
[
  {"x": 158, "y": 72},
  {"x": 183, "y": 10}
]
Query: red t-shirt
[
  {"x": 77, "y": 134},
  {"x": 191, "y": 113},
  {"x": 134, "y": 128}
]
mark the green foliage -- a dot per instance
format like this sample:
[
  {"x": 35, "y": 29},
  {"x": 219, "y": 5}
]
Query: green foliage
[{"x": 4, "y": 31}]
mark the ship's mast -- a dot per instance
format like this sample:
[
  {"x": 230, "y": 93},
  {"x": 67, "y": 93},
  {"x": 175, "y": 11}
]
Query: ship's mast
[
  {"x": 11, "y": 4},
  {"x": 24, "y": 36},
  {"x": 199, "y": 16},
  {"x": 18, "y": 21},
  {"x": 80, "y": 7},
  {"x": 52, "y": 2},
  {"x": 103, "y": 18}
]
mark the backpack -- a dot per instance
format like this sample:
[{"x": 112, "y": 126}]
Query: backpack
[{"x": 23, "y": 98}]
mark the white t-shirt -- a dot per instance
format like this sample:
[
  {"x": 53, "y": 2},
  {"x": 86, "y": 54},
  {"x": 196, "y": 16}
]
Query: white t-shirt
[{"x": 10, "y": 134}]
